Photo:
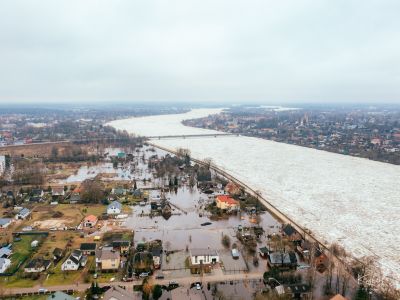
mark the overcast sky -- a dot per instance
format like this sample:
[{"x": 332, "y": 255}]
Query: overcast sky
[{"x": 231, "y": 51}]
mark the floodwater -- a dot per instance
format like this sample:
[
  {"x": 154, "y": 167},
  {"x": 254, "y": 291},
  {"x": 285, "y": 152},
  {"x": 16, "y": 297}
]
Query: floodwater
[
  {"x": 136, "y": 170},
  {"x": 184, "y": 228},
  {"x": 346, "y": 200}
]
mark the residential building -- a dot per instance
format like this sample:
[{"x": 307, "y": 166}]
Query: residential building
[
  {"x": 233, "y": 189},
  {"x": 294, "y": 291},
  {"x": 263, "y": 251},
  {"x": 289, "y": 231},
  {"x": 119, "y": 293},
  {"x": 74, "y": 261},
  {"x": 5, "y": 252},
  {"x": 201, "y": 260},
  {"x": 37, "y": 265},
  {"x": 37, "y": 193},
  {"x": 4, "y": 264},
  {"x": 121, "y": 245},
  {"x": 57, "y": 191},
  {"x": 58, "y": 254},
  {"x": 114, "y": 208},
  {"x": 156, "y": 252},
  {"x": 283, "y": 260},
  {"x": 119, "y": 191},
  {"x": 5, "y": 222},
  {"x": 88, "y": 248},
  {"x": 23, "y": 214},
  {"x": 108, "y": 259},
  {"x": 90, "y": 221},
  {"x": 226, "y": 202},
  {"x": 2, "y": 164}
]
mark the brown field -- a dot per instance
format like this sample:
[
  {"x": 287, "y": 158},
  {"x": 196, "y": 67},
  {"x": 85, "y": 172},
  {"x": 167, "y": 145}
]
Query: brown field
[
  {"x": 46, "y": 216},
  {"x": 32, "y": 150}
]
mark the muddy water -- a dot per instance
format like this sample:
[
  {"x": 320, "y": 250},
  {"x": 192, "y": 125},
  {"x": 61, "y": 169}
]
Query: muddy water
[
  {"x": 135, "y": 170},
  {"x": 183, "y": 229}
]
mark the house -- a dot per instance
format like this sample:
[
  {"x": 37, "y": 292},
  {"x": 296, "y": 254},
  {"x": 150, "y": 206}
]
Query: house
[
  {"x": 321, "y": 262},
  {"x": 114, "y": 208},
  {"x": 142, "y": 260},
  {"x": 304, "y": 249},
  {"x": 2, "y": 164},
  {"x": 283, "y": 260},
  {"x": 294, "y": 291},
  {"x": 60, "y": 296},
  {"x": 263, "y": 252},
  {"x": 119, "y": 293},
  {"x": 291, "y": 233},
  {"x": 5, "y": 222},
  {"x": 37, "y": 265},
  {"x": 57, "y": 191},
  {"x": 338, "y": 297},
  {"x": 75, "y": 195},
  {"x": 35, "y": 199},
  {"x": 74, "y": 261},
  {"x": 226, "y": 202},
  {"x": 37, "y": 193},
  {"x": 10, "y": 194},
  {"x": 233, "y": 189},
  {"x": 58, "y": 254},
  {"x": 108, "y": 259},
  {"x": 119, "y": 191},
  {"x": 4, "y": 264},
  {"x": 121, "y": 245},
  {"x": 23, "y": 214},
  {"x": 5, "y": 252},
  {"x": 202, "y": 260},
  {"x": 88, "y": 248},
  {"x": 156, "y": 252},
  {"x": 137, "y": 193},
  {"x": 90, "y": 221}
]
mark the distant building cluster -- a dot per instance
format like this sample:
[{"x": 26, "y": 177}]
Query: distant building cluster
[{"x": 368, "y": 133}]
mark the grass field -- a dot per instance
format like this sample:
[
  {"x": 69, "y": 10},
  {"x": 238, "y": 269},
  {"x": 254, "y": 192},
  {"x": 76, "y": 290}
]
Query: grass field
[{"x": 22, "y": 250}]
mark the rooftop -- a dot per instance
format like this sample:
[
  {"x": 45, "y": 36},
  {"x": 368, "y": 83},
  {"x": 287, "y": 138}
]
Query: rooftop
[
  {"x": 200, "y": 252},
  {"x": 227, "y": 199}
]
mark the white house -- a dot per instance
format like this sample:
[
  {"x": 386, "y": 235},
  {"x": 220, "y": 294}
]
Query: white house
[
  {"x": 37, "y": 265},
  {"x": 203, "y": 256},
  {"x": 57, "y": 191},
  {"x": 2, "y": 164},
  {"x": 4, "y": 222},
  {"x": 23, "y": 214},
  {"x": 4, "y": 264},
  {"x": 5, "y": 252},
  {"x": 114, "y": 208},
  {"x": 74, "y": 261}
]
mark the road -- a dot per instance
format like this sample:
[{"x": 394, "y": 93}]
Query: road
[{"x": 184, "y": 281}]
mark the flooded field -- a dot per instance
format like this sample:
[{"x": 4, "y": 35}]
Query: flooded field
[
  {"x": 136, "y": 170},
  {"x": 184, "y": 227},
  {"x": 346, "y": 200}
]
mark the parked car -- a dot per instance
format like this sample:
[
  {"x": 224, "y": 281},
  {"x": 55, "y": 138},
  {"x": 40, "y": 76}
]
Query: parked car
[
  {"x": 160, "y": 276},
  {"x": 144, "y": 275},
  {"x": 198, "y": 286}
]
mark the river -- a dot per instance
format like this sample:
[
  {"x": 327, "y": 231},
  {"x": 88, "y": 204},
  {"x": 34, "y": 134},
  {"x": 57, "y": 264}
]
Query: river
[{"x": 351, "y": 201}]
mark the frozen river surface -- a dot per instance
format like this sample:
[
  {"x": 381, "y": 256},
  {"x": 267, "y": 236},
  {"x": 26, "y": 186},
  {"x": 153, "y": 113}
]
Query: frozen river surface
[{"x": 352, "y": 201}]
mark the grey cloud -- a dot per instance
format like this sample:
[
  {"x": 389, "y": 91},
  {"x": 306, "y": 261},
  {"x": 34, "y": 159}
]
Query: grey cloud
[{"x": 271, "y": 51}]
